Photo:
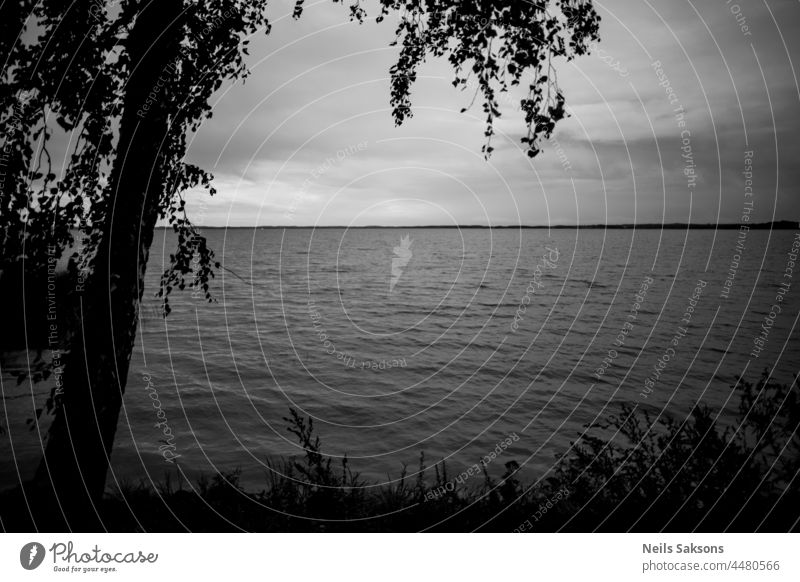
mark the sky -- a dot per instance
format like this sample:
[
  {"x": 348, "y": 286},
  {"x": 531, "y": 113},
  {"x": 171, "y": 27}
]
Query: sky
[{"x": 309, "y": 138}]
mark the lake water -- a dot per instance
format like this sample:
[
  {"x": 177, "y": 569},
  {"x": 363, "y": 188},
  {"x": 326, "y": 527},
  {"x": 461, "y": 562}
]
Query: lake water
[{"x": 446, "y": 342}]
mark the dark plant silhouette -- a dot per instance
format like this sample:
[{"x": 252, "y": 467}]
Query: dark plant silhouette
[
  {"x": 129, "y": 83},
  {"x": 634, "y": 472},
  {"x": 630, "y": 472}
]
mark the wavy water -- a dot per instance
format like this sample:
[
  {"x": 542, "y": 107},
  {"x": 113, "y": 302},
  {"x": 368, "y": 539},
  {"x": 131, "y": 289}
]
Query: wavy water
[{"x": 485, "y": 333}]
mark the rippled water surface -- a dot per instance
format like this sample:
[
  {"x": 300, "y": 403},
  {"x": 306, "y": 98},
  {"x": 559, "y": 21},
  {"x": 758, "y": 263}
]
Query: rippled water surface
[{"x": 483, "y": 333}]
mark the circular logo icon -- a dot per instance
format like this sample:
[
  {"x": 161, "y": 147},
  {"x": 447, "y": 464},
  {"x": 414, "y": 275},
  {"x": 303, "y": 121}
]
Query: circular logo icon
[{"x": 31, "y": 555}]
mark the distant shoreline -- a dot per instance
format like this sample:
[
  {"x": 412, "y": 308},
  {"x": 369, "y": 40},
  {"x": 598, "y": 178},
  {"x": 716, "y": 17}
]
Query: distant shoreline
[{"x": 777, "y": 225}]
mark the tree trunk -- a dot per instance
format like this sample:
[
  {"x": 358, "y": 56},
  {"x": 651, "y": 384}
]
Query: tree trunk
[{"x": 73, "y": 471}]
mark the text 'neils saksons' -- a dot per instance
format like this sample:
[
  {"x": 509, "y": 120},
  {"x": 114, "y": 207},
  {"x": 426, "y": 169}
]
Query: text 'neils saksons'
[{"x": 681, "y": 549}]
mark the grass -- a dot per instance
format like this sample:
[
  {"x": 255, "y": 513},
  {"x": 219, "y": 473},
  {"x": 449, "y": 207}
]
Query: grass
[{"x": 628, "y": 472}]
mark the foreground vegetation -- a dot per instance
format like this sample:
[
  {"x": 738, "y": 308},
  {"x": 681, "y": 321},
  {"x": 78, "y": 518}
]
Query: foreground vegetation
[{"x": 628, "y": 472}]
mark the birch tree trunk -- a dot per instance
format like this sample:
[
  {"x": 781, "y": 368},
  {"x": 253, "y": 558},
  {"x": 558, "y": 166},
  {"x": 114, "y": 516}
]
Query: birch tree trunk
[{"x": 72, "y": 473}]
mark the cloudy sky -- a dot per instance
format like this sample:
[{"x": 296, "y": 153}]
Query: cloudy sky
[{"x": 309, "y": 138}]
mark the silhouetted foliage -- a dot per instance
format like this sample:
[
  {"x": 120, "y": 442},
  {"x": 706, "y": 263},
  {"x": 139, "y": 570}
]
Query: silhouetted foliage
[
  {"x": 700, "y": 472},
  {"x": 630, "y": 472}
]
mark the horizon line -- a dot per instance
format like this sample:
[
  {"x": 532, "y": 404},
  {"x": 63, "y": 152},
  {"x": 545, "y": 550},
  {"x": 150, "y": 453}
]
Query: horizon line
[{"x": 776, "y": 224}]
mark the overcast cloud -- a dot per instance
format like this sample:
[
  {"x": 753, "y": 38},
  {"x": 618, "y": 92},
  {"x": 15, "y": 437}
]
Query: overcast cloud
[{"x": 309, "y": 139}]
